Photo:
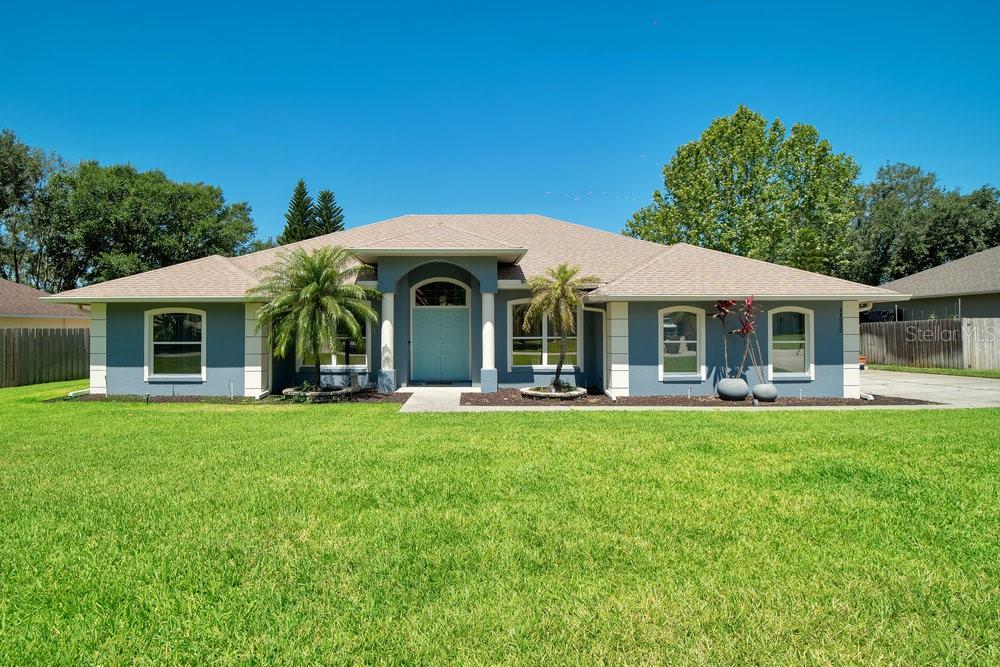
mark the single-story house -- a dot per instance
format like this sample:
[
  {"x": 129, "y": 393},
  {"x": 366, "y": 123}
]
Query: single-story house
[
  {"x": 21, "y": 307},
  {"x": 967, "y": 287},
  {"x": 453, "y": 293}
]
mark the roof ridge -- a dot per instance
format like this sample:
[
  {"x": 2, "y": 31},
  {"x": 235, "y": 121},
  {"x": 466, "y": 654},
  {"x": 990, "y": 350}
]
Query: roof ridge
[
  {"x": 784, "y": 266},
  {"x": 641, "y": 265},
  {"x": 438, "y": 224}
]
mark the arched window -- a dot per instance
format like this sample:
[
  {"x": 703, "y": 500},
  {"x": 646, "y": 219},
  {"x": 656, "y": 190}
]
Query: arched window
[
  {"x": 681, "y": 331},
  {"x": 440, "y": 293},
  {"x": 175, "y": 344},
  {"x": 790, "y": 344}
]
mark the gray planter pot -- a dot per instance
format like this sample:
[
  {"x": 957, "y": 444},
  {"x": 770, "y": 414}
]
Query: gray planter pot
[
  {"x": 732, "y": 389},
  {"x": 765, "y": 393}
]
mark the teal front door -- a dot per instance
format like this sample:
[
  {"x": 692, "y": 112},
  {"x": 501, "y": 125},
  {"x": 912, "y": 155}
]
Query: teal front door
[{"x": 440, "y": 343}]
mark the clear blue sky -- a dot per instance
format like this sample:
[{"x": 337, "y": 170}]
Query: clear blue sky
[{"x": 567, "y": 110}]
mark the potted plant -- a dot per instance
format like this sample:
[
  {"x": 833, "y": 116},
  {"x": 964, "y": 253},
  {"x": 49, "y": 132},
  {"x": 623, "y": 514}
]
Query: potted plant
[
  {"x": 735, "y": 387},
  {"x": 729, "y": 388}
]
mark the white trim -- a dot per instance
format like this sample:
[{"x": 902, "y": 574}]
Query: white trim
[
  {"x": 467, "y": 307},
  {"x": 98, "y": 349},
  {"x": 850, "y": 331},
  {"x": 702, "y": 373},
  {"x": 387, "y": 355},
  {"x": 877, "y": 298},
  {"x": 150, "y": 299},
  {"x": 256, "y": 353},
  {"x": 488, "y": 318},
  {"x": 147, "y": 373},
  {"x": 616, "y": 343},
  {"x": 511, "y": 284},
  {"x": 300, "y": 368},
  {"x": 810, "y": 345},
  {"x": 576, "y": 368},
  {"x": 82, "y": 316}
]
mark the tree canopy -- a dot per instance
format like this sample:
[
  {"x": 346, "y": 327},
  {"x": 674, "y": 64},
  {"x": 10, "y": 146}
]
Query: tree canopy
[
  {"x": 329, "y": 216},
  {"x": 305, "y": 219},
  {"x": 64, "y": 226},
  {"x": 907, "y": 223},
  {"x": 749, "y": 187}
]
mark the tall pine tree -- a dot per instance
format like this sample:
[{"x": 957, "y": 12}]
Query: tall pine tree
[
  {"x": 299, "y": 217},
  {"x": 329, "y": 217}
]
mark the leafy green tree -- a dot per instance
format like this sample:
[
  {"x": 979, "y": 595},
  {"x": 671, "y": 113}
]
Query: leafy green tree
[
  {"x": 748, "y": 187},
  {"x": 309, "y": 296},
  {"x": 23, "y": 171},
  {"x": 328, "y": 216},
  {"x": 300, "y": 216},
  {"x": 557, "y": 295}
]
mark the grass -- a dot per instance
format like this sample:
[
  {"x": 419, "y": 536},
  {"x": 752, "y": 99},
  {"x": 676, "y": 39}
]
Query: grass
[
  {"x": 225, "y": 534},
  {"x": 962, "y": 372}
]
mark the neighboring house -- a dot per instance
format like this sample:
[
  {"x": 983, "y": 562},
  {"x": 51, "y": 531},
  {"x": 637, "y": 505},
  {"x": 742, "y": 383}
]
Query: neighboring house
[
  {"x": 21, "y": 307},
  {"x": 453, "y": 295},
  {"x": 967, "y": 287}
]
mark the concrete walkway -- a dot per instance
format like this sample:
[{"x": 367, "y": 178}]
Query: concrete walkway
[
  {"x": 952, "y": 390},
  {"x": 434, "y": 399}
]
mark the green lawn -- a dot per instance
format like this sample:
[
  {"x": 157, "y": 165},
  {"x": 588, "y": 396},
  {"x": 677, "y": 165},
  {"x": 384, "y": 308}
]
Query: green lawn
[
  {"x": 964, "y": 372},
  {"x": 197, "y": 533}
]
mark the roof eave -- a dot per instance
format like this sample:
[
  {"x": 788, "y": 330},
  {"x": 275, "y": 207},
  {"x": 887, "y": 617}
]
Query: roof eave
[
  {"x": 603, "y": 297},
  {"x": 149, "y": 299}
]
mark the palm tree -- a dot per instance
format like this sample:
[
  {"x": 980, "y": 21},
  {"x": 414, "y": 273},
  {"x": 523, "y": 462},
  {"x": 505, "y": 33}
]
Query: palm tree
[
  {"x": 557, "y": 295},
  {"x": 310, "y": 295}
]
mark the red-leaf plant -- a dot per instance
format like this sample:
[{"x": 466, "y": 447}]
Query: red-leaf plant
[{"x": 747, "y": 331}]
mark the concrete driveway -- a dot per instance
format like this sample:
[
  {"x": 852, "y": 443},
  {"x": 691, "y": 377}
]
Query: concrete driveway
[{"x": 947, "y": 389}]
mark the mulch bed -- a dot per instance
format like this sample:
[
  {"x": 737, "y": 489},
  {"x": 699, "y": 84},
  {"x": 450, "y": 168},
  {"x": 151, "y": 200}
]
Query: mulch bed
[
  {"x": 363, "y": 396},
  {"x": 514, "y": 397}
]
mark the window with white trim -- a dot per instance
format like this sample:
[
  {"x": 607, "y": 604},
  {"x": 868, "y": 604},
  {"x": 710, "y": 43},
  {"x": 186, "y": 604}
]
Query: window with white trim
[
  {"x": 539, "y": 344},
  {"x": 351, "y": 354},
  {"x": 175, "y": 344},
  {"x": 790, "y": 353},
  {"x": 682, "y": 343}
]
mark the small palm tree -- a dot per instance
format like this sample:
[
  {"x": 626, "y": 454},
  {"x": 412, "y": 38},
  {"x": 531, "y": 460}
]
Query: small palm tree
[
  {"x": 309, "y": 296},
  {"x": 557, "y": 295}
]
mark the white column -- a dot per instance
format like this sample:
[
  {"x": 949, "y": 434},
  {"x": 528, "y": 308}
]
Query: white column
[
  {"x": 489, "y": 334},
  {"x": 256, "y": 355},
  {"x": 618, "y": 363},
  {"x": 852, "y": 344},
  {"x": 388, "y": 357},
  {"x": 98, "y": 348}
]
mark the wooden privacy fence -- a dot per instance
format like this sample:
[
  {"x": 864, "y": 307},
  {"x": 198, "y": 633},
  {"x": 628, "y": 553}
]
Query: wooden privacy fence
[
  {"x": 30, "y": 356},
  {"x": 955, "y": 343}
]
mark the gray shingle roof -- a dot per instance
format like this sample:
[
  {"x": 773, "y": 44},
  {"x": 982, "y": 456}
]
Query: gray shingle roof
[
  {"x": 975, "y": 274},
  {"x": 625, "y": 266},
  {"x": 19, "y": 300}
]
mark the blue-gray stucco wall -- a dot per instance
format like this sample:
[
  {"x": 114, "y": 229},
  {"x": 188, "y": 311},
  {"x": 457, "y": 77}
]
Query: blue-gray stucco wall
[
  {"x": 224, "y": 333},
  {"x": 644, "y": 351},
  {"x": 589, "y": 376}
]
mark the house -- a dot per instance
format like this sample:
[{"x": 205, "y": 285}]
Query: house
[
  {"x": 967, "y": 287},
  {"x": 21, "y": 307},
  {"x": 453, "y": 293}
]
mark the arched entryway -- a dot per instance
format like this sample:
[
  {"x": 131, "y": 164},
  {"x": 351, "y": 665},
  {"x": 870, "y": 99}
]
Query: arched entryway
[{"x": 440, "y": 331}]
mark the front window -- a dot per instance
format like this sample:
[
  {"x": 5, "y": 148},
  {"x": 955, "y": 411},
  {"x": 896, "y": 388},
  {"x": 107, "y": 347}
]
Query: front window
[
  {"x": 791, "y": 344},
  {"x": 175, "y": 344},
  {"x": 351, "y": 352},
  {"x": 682, "y": 343},
  {"x": 539, "y": 344}
]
